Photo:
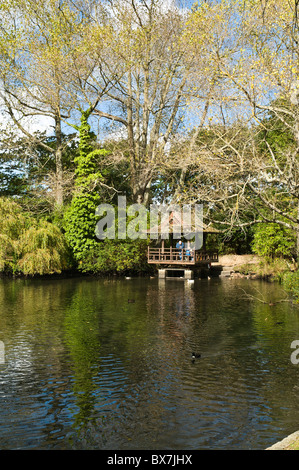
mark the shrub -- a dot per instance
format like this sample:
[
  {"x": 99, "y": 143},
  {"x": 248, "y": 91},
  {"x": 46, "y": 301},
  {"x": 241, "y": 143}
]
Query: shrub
[
  {"x": 291, "y": 284},
  {"x": 43, "y": 250},
  {"x": 12, "y": 223},
  {"x": 29, "y": 246},
  {"x": 116, "y": 257},
  {"x": 273, "y": 241}
]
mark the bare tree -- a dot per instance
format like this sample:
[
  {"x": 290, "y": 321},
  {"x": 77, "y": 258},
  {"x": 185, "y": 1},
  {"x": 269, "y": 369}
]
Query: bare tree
[
  {"x": 37, "y": 42},
  {"x": 143, "y": 75},
  {"x": 238, "y": 168}
]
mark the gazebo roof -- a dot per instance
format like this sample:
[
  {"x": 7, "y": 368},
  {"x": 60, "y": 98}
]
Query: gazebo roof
[{"x": 173, "y": 222}]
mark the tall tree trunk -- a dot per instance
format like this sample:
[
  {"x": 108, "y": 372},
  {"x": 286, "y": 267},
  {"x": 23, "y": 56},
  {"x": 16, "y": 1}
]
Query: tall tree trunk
[
  {"x": 58, "y": 161},
  {"x": 59, "y": 178},
  {"x": 296, "y": 135}
]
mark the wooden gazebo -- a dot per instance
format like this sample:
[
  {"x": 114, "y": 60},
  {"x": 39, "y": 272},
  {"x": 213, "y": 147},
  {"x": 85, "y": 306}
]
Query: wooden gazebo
[{"x": 187, "y": 256}]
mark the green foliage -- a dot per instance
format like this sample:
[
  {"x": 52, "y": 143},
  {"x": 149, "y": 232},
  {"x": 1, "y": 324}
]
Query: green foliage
[
  {"x": 277, "y": 132},
  {"x": 12, "y": 223},
  {"x": 237, "y": 241},
  {"x": 92, "y": 255},
  {"x": 291, "y": 284},
  {"x": 86, "y": 172},
  {"x": 116, "y": 257},
  {"x": 29, "y": 246},
  {"x": 80, "y": 218},
  {"x": 26, "y": 168},
  {"x": 267, "y": 269},
  {"x": 80, "y": 223},
  {"x": 42, "y": 250},
  {"x": 273, "y": 241}
]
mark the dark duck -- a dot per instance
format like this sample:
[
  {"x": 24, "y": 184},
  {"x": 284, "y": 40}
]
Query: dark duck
[{"x": 195, "y": 356}]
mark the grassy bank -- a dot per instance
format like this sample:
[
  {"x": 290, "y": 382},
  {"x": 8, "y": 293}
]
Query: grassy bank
[
  {"x": 268, "y": 269},
  {"x": 277, "y": 270}
]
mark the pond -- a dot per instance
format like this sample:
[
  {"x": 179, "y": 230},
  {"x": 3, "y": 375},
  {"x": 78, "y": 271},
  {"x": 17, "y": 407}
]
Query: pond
[{"x": 106, "y": 364}]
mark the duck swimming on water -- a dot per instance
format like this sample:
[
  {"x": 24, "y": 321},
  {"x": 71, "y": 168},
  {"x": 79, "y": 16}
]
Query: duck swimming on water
[{"x": 195, "y": 356}]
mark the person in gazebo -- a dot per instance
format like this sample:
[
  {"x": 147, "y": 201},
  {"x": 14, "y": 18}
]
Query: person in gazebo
[
  {"x": 189, "y": 254},
  {"x": 180, "y": 246}
]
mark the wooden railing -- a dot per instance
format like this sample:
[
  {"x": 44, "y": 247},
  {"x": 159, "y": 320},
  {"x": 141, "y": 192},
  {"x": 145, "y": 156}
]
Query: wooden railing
[{"x": 177, "y": 256}]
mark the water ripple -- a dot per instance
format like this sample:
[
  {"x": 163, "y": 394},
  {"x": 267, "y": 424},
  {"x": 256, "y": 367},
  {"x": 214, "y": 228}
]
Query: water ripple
[{"x": 85, "y": 369}]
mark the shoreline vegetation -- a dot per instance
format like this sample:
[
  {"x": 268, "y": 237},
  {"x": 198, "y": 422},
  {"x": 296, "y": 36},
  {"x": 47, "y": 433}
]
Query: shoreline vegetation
[
  {"x": 246, "y": 266},
  {"x": 256, "y": 267},
  {"x": 34, "y": 246}
]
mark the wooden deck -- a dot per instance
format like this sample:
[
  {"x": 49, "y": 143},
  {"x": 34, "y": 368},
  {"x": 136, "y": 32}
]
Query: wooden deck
[{"x": 174, "y": 256}]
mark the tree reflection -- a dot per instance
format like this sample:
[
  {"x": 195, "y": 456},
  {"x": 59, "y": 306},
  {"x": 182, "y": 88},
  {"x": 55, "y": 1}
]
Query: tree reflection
[{"x": 81, "y": 332}]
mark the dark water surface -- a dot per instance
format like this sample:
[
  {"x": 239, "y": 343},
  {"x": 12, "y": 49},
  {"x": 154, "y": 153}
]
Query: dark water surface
[{"x": 87, "y": 369}]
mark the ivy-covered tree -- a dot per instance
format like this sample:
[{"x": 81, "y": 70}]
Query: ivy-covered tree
[{"x": 80, "y": 217}]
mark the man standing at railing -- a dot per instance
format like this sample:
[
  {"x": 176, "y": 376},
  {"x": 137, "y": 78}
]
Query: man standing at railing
[{"x": 180, "y": 246}]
